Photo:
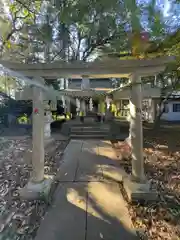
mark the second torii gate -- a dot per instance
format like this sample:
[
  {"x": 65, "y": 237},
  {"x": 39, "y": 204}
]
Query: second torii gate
[{"x": 133, "y": 69}]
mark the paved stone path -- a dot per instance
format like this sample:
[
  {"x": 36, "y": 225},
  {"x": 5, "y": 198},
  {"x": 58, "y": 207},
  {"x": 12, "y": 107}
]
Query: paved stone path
[{"x": 88, "y": 204}]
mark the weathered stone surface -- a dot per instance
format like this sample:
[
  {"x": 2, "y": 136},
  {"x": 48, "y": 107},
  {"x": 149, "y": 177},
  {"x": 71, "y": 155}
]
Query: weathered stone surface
[
  {"x": 67, "y": 171},
  {"x": 113, "y": 173},
  {"x": 92, "y": 174},
  {"x": 92, "y": 209},
  {"x": 138, "y": 192},
  {"x": 89, "y": 167},
  {"x": 34, "y": 191},
  {"x": 67, "y": 217},
  {"x": 108, "y": 216}
]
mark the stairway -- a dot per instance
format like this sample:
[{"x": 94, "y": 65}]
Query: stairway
[{"x": 89, "y": 131}]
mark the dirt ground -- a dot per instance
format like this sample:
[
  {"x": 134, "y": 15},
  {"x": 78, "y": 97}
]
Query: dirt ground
[
  {"x": 19, "y": 219},
  {"x": 160, "y": 220}
]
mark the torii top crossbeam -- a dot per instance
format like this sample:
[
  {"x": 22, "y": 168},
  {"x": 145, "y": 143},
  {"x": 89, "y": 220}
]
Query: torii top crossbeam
[{"x": 96, "y": 69}]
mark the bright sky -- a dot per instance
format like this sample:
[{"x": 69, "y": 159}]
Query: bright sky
[{"x": 166, "y": 7}]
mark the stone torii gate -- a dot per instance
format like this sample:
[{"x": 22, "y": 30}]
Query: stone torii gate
[{"x": 136, "y": 185}]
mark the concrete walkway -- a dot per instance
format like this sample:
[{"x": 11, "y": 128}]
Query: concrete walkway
[{"x": 88, "y": 204}]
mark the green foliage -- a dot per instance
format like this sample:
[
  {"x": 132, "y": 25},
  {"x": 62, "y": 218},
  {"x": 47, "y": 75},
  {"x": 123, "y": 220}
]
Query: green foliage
[
  {"x": 155, "y": 18},
  {"x": 76, "y": 30},
  {"x": 7, "y": 84},
  {"x": 13, "y": 22}
]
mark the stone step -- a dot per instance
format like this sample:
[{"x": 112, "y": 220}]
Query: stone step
[
  {"x": 89, "y": 132},
  {"x": 118, "y": 137},
  {"x": 89, "y": 136},
  {"x": 86, "y": 124},
  {"x": 90, "y": 127}
]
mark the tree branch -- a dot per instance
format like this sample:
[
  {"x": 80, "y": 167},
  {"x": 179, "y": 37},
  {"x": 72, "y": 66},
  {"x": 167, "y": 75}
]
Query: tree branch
[
  {"x": 78, "y": 47},
  {"x": 164, "y": 100},
  {"x": 99, "y": 42},
  {"x": 13, "y": 30},
  {"x": 26, "y": 7},
  {"x": 53, "y": 58}
]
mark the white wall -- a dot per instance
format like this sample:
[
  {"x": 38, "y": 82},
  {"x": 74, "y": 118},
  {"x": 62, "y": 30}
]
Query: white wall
[
  {"x": 147, "y": 92},
  {"x": 170, "y": 115},
  {"x": 94, "y": 83}
]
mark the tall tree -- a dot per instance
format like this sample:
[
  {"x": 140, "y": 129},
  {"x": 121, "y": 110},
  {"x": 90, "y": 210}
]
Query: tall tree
[{"x": 80, "y": 30}]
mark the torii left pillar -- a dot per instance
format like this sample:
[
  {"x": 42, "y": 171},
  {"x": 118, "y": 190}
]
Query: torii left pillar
[
  {"x": 38, "y": 136},
  {"x": 37, "y": 187}
]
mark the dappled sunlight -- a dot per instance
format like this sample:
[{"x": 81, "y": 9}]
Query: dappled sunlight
[
  {"x": 93, "y": 150},
  {"x": 107, "y": 152},
  {"x": 85, "y": 173},
  {"x": 90, "y": 147},
  {"x": 101, "y": 200},
  {"x": 92, "y": 211},
  {"x": 103, "y": 148},
  {"x": 106, "y": 197},
  {"x": 113, "y": 173},
  {"x": 75, "y": 199},
  {"x": 104, "y": 143}
]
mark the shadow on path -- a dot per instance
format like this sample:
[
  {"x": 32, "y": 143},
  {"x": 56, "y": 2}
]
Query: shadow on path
[{"x": 87, "y": 203}]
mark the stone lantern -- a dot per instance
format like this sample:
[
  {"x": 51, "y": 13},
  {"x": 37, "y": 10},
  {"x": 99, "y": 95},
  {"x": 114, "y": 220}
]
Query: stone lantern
[{"x": 47, "y": 120}]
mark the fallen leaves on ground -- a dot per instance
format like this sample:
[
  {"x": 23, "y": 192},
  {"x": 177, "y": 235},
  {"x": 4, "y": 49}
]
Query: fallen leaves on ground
[
  {"x": 19, "y": 219},
  {"x": 161, "y": 220}
]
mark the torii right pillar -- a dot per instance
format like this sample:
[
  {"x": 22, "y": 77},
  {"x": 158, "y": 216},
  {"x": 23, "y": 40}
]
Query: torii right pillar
[
  {"x": 136, "y": 131},
  {"x": 136, "y": 185}
]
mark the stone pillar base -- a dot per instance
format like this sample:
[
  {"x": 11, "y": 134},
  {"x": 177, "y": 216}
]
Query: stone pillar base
[
  {"x": 139, "y": 192},
  {"x": 35, "y": 191},
  {"x": 50, "y": 145},
  {"x": 48, "y": 141}
]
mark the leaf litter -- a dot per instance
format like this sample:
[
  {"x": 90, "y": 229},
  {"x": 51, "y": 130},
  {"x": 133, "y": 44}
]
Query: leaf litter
[
  {"x": 20, "y": 219},
  {"x": 160, "y": 220}
]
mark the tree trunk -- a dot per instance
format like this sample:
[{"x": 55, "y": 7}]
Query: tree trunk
[{"x": 164, "y": 100}]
